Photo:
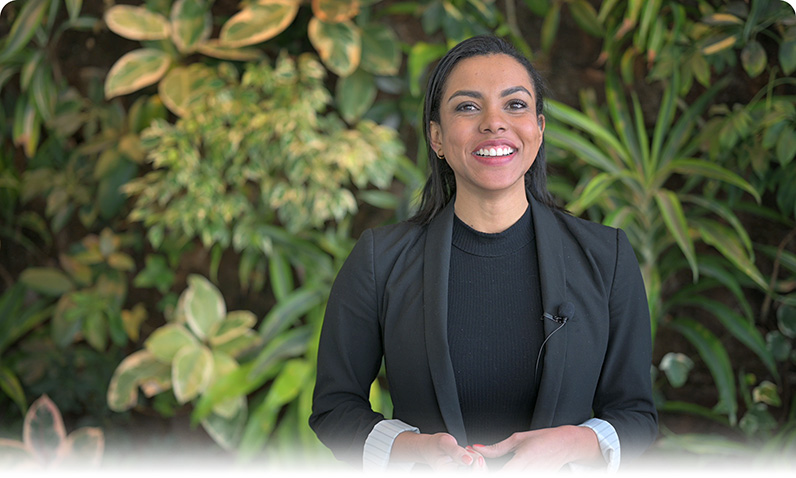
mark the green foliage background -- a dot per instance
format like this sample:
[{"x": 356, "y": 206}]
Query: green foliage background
[{"x": 181, "y": 180}]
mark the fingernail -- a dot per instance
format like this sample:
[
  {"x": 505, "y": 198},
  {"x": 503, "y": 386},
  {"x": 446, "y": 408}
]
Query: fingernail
[
  {"x": 467, "y": 460},
  {"x": 480, "y": 446}
]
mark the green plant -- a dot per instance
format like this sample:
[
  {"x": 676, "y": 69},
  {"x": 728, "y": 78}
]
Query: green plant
[
  {"x": 200, "y": 344},
  {"x": 45, "y": 443},
  {"x": 173, "y": 31},
  {"x": 629, "y": 184}
]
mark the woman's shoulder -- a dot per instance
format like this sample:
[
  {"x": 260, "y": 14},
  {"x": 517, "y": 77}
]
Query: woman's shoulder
[{"x": 397, "y": 235}]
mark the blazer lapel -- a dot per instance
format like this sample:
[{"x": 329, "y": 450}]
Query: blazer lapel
[
  {"x": 436, "y": 265},
  {"x": 552, "y": 273}
]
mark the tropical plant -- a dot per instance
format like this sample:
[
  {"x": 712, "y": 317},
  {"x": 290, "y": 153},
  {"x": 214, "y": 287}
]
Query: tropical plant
[
  {"x": 171, "y": 32},
  {"x": 46, "y": 445}
]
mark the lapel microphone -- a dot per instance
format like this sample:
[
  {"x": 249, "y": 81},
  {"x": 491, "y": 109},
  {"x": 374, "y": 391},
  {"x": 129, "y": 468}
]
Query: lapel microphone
[{"x": 564, "y": 313}]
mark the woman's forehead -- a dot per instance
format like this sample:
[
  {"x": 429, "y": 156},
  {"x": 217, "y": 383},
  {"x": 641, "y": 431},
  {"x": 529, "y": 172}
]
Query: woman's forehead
[{"x": 489, "y": 71}]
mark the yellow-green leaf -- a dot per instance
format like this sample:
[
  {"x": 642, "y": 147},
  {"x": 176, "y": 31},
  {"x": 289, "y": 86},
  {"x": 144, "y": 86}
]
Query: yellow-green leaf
[
  {"x": 335, "y": 11},
  {"x": 95, "y": 330},
  {"x": 28, "y": 20},
  {"x": 137, "y": 23},
  {"x": 338, "y": 44},
  {"x": 191, "y": 24},
  {"x": 46, "y": 280},
  {"x": 355, "y": 95},
  {"x": 754, "y": 58},
  {"x": 165, "y": 342},
  {"x": 674, "y": 218},
  {"x": 381, "y": 50},
  {"x": 27, "y": 127},
  {"x": 237, "y": 323},
  {"x": 204, "y": 306},
  {"x": 216, "y": 49},
  {"x": 43, "y": 430},
  {"x": 191, "y": 372},
  {"x": 258, "y": 22},
  {"x": 136, "y": 70},
  {"x": 223, "y": 365},
  {"x": 137, "y": 367},
  {"x": 719, "y": 45},
  {"x": 723, "y": 239},
  {"x": 185, "y": 86}
]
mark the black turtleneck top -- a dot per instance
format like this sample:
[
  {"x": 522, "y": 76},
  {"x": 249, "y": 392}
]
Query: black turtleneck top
[{"x": 494, "y": 327}]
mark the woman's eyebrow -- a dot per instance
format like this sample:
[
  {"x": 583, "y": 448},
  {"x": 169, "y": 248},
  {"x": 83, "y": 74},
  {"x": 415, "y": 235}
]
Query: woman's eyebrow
[{"x": 478, "y": 96}]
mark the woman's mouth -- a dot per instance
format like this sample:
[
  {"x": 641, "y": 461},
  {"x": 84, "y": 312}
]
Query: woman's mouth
[{"x": 494, "y": 152}]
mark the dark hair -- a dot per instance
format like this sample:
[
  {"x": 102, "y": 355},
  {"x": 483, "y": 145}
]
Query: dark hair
[{"x": 441, "y": 184}]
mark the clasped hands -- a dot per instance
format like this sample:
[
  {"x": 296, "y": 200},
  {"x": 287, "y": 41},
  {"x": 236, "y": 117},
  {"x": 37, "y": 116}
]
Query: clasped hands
[{"x": 547, "y": 449}]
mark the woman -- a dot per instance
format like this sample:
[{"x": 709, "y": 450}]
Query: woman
[{"x": 509, "y": 330}]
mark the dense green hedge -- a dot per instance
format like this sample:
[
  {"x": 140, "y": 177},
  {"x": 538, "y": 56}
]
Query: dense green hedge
[{"x": 175, "y": 209}]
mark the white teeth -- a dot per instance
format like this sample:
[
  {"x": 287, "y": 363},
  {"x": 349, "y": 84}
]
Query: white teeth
[{"x": 495, "y": 151}]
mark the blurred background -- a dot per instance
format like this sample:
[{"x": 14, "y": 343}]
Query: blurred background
[{"x": 181, "y": 180}]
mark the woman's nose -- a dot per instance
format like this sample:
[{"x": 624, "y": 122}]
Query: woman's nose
[{"x": 492, "y": 121}]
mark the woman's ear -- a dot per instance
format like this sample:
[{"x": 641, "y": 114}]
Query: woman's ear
[
  {"x": 435, "y": 137},
  {"x": 541, "y": 122}
]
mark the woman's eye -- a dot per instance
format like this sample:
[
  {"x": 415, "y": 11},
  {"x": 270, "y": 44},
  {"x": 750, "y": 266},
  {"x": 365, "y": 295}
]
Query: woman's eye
[
  {"x": 517, "y": 105},
  {"x": 466, "y": 107}
]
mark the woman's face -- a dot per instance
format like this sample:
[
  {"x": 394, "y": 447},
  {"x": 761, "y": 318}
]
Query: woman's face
[{"x": 488, "y": 131}]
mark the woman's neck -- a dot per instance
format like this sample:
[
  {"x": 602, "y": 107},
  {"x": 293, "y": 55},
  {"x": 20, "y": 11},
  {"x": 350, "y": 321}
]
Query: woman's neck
[{"x": 491, "y": 214}]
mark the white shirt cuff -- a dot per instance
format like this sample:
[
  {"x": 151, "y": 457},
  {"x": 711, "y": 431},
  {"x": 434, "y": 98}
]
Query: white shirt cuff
[
  {"x": 378, "y": 445},
  {"x": 609, "y": 444}
]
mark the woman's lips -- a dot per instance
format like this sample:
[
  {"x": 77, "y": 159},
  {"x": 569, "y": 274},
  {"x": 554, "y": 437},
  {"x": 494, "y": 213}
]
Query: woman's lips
[{"x": 494, "y": 154}]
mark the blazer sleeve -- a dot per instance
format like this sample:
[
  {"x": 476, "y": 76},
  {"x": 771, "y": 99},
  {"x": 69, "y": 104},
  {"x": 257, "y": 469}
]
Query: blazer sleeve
[
  {"x": 349, "y": 357},
  {"x": 624, "y": 393}
]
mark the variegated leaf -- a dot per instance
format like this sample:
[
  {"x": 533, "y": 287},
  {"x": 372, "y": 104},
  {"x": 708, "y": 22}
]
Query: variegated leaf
[
  {"x": 136, "y": 70},
  {"x": 191, "y": 24},
  {"x": 137, "y": 23},
  {"x": 338, "y": 44},
  {"x": 258, "y": 22}
]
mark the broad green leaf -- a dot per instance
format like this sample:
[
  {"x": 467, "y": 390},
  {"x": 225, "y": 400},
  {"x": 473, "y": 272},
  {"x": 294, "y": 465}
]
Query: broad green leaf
[
  {"x": 237, "y": 323},
  {"x": 12, "y": 388},
  {"x": 15, "y": 455},
  {"x": 258, "y": 22},
  {"x": 227, "y": 431},
  {"x": 184, "y": 87},
  {"x": 166, "y": 341},
  {"x": 216, "y": 49},
  {"x": 723, "y": 239},
  {"x": 720, "y": 44},
  {"x": 787, "y": 56},
  {"x": 46, "y": 280},
  {"x": 592, "y": 192},
  {"x": 674, "y": 218},
  {"x": 223, "y": 365},
  {"x": 28, "y": 20},
  {"x": 86, "y": 446},
  {"x": 74, "y": 7},
  {"x": 786, "y": 146},
  {"x": 381, "y": 199},
  {"x": 715, "y": 357},
  {"x": 134, "y": 370},
  {"x": 585, "y": 16},
  {"x": 741, "y": 328},
  {"x": 137, "y": 23},
  {"x": 191, "y": 372},
  {"x": 355, "y": 95},
  {"x": 335, "y": 11},
  {"x": 95, "y": 330},
  {"x": 290, "y": 309},
  {"x": 381, "y": 50},
  {"x": 286, "y": 387},
  {"x": 779, "y": 345},
  {"x": 43, "y": 430},
  {"x": 27, "y": 126},
  {"x": 136, "y": 70},
  {"x": 676, "y": 366},
  {"x": 575, "y": 118},
  {"x": 191, "y": 24},
  {"x": 766, "y": 393},
  {"x": 156, "y": 273},
  {"x": 550, "y": 26},
  {"x": 754, "y": 58},
  {"x": 203, "y": 305},
  {"x": 757, "y": 421},
  {"x": 721, "y": 208},
  {"x": 420, "y": 56},
  {"x": 338, "y": 44},
  {"x": 786, "y": 320},
  {"x": 582, "y": 149},
  {"x": 225, "y": 387},
  {"x": 281, "y": 274},
  {"x": 44, "y": 93}
]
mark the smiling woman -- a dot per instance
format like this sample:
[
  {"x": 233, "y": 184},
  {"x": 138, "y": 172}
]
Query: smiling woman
[{"x": 501, "y": 319}]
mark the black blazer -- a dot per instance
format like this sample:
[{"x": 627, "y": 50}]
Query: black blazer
[{"x": 389, "y": 301}]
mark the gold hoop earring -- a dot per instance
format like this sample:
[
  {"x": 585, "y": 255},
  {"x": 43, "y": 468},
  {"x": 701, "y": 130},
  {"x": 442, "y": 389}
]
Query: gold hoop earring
[{"x": 440, "y": 155}]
